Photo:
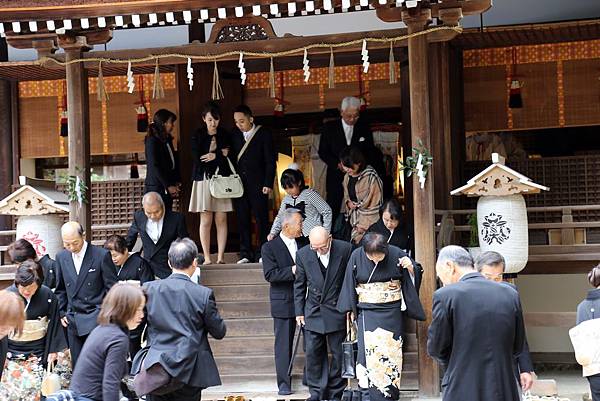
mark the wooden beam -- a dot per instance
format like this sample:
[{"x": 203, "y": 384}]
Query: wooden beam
[
  {"x": 423, "y": 207},
  {"x": 550, "y": 319},
  {"x": 79, "y": 128}
]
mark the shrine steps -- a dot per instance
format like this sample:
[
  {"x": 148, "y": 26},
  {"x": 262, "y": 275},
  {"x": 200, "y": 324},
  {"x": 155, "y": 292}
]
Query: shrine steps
[{"x": 245, "y": 356}]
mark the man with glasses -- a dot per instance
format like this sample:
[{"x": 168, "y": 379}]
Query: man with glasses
[
  {"x": 320, "y": 270},
  {"x": 491, "y": 265}
]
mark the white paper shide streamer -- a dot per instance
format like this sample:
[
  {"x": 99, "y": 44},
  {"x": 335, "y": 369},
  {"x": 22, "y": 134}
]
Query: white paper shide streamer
[
  {"x": 305, "y": 66},
  {"x": 242, "y": 69},
  {"x": 190, "y": 73},
  {"x": 420, "y": 171},
  {"x": 78, "y": 192},
  {"x": 365, "y": 57},
  {"x": 130, "y": 80}
]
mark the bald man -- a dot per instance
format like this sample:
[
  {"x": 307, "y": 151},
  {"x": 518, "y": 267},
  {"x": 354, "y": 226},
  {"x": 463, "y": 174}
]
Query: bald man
[
  {"x": 82, "y": 280},
  {"x": 159, "y": 227},
  {"x": 320, "y": 269}
]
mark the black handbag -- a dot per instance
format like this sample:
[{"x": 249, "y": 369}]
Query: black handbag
[
  {"x": 349, "y": 352},
  {"x": 153, "y": 380}
]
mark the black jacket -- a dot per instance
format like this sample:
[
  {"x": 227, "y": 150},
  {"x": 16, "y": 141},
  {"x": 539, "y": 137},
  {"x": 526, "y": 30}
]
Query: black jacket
[
  {"x": 135, "y": 268},
  {"x": 402, "y": 237},
  {"x": 277, "y": 266},
  {"x": 200, "y": 143},
  {"x": 318, "y": 305},
  {"x": 160, "y": 172},
  {"x": 49, "y": 268},
  {"x": 180, "y": 315},
  {"x": 80, "y": 296},
  {"x": 477, "y": 331},
  {"x": 157, "y": 254},
  {"x": 257, "y": 164}
]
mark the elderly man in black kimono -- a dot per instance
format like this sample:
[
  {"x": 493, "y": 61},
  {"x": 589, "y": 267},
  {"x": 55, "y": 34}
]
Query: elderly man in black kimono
[
  {"x": 477, "y": 330},
  {"x": 320, "y": 271},
  {"x": 379, "y": 290}
]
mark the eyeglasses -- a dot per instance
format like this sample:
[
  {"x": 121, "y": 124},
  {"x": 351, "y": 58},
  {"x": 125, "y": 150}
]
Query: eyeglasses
[{"x": 322, "y": 248}]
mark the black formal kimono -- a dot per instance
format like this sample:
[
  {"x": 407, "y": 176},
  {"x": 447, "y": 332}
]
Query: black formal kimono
[
  {"x": 277, "y": 267},
  {"x": 477, "y": 331},
  {"x": 256, "y": 167},
  {"x": 135, "y": 268},
  {"x": 380, "y": 316},
  {"x": 157, "y": 253}
]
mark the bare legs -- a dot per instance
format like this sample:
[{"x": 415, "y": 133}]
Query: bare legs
[{"x": 206, "y": 220}]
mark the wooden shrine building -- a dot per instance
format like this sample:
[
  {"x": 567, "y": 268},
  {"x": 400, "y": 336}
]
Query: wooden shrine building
[{"x": 432, "y": 84}]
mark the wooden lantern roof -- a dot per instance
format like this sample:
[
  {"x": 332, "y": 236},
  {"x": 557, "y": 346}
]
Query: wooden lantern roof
[
  {"x": 499, "y": 180},
  {"x": 36, "y": 199},
  {"x": 18, "y": 17}
]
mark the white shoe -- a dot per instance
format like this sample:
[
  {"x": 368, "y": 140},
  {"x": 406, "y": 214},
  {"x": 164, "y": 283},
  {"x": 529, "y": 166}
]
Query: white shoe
[
  {"x": 259, "y": 260},
  {"x": 243, "y": 260}
]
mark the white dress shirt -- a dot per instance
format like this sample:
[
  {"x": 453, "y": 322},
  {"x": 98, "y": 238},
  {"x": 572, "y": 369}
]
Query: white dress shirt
[
  {"x": 325, "y": 258},
  {"x": 391, "y": 235},
  {"x": 248, "y": 135},
  {"x": 78, "y": 257},
  {"x": 154, "y": 229},
  {"x": 348, "y": 131},
  {"x": 291, "y": 245}
]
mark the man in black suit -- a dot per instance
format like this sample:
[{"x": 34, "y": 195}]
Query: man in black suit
[
  {"x": 349, "y": 130},
  {"x": 252, "y": 147},
  {"x": 477, "y": 330},
  {"x": 181, "y": 314},
  {"x": 320, "y": 270},
  {"x": 279, "y": 265},
  {"x": 158, "y": 228},
  {"x": 82, "y": 280},
  {"x": 491, "y": 265}
]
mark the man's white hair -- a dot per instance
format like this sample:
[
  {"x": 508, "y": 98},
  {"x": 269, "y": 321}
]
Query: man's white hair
[
  {"x": 350, "y": 102},
  {"x": 153, "y": 198},
  {"x": 456, "y": 254},
  {"x": 287, "y": 215}
]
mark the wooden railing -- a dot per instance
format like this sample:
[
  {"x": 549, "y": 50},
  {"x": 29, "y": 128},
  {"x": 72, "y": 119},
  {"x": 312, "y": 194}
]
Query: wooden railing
[{"x": 563, "y": 244}]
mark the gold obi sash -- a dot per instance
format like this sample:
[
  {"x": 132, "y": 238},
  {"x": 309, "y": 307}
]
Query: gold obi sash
[
  {"x": 379, "y": 293},
  {"x": 32, "y": 330}
]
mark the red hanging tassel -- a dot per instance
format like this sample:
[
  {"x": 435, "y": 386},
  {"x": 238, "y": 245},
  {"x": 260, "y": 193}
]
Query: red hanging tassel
[
  {"x": 141, "y": 111},
  {"x": 134, "y": 172},
  {"x": 280, "y": 102},
  {"x": 515, "y": 99},
  {"x": 64, "y": 124}
]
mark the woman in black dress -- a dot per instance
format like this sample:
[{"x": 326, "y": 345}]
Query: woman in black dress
[
  {"x": 378, "y": 289},
  {"x": 162, "y": 168},
  {"x": 129, "y": 267},
  {"x": 210, "y": 147},
  {"x": 393, "y": 227}
]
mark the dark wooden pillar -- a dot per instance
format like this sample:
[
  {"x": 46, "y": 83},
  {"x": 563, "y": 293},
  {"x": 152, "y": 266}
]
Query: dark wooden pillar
[
  {"x": 79, "y": 126},
  {"x": 7, "y": 160},
  {"x": 423, "y": 205}
]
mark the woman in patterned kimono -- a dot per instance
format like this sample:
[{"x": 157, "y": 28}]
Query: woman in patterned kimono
[{"x": 379, "y": 289}]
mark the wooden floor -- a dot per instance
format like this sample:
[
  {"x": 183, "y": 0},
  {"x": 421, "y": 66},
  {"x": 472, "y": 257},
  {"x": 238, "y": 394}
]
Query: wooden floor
[{"x": 245, "y": 356}]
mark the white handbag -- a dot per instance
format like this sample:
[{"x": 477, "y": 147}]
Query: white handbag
[{"x": 226, "y": 187}]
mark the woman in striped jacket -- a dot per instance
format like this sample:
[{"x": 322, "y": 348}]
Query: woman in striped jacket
[{"x": 314, "y": 209}]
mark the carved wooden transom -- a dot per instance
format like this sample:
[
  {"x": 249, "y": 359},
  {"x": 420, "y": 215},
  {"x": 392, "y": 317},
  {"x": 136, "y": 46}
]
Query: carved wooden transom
[{"x": 241, "y": 33}]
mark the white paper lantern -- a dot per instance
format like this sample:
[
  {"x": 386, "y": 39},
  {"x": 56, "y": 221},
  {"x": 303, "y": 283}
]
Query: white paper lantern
[
  {"x": 502, "y": 226},
  {"x": 43, "y": 231}
]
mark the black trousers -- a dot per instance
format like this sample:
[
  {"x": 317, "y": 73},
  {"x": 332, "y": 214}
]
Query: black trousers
[
  {"x": 164, "y": 194},
  {"x": 254, "y": 202},
  {"x": 75, "y": 343},
  {"x": 335, "y": 191},
  {"x": 186, "y": 393},
  {"x": 323, "y": 383},
  {"x": 595, "y": 386},
  {"x": 284, "y": 340}
]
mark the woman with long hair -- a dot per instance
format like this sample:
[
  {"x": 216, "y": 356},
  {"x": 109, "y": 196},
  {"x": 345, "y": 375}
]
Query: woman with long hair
[
  {"x": 210, "y": 147},
  {"x": 162, "y": 167},
  {"x": 103, "y": 361}
]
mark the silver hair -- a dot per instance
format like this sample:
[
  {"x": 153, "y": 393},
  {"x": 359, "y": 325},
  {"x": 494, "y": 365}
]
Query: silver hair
[
  {"x": 182, "y": 253},
  {"x": 489, "y": 258},
  {"x": 287, "y": 215},
  {"x": 350, "y": 101},
  {"x": 456, "y": 254},
  {"x": 151, "y": 198}
]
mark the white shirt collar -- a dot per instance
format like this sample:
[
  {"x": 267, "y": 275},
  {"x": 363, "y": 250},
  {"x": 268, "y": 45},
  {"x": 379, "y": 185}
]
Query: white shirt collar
[
  {"x": 81, "y": 252},
  {"x": 325, "y": 258},
  {"x": 287, "y": 239}
]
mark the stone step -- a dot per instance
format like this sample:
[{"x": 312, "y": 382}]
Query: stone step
[
  {"x": 248, "y": 309},
  {"x": 250, "y": 292},
  {"x": 232, "y": 275},
  {"x": 263, "y": 345},
  {"x": 249, "y": 327}
]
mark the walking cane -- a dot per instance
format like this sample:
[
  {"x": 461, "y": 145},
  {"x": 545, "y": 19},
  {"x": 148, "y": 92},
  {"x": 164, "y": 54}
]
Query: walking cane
[{"x": 299, "y": 330}]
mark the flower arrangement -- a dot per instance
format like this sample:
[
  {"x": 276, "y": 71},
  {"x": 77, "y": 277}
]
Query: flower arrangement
[{"x": 22, "y": 379}]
